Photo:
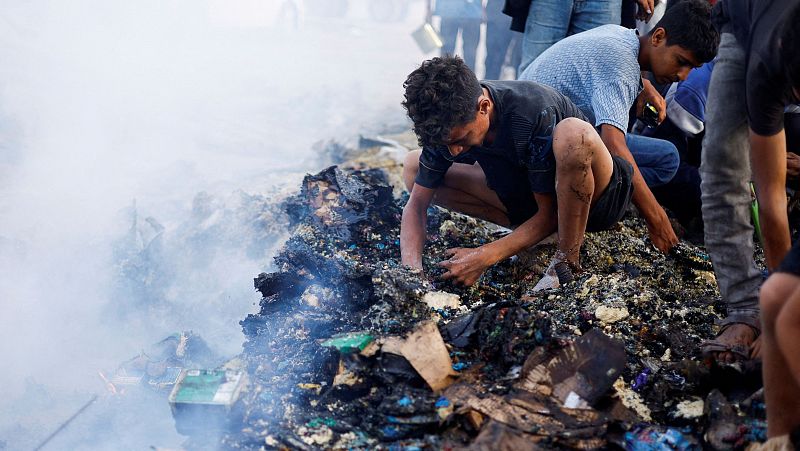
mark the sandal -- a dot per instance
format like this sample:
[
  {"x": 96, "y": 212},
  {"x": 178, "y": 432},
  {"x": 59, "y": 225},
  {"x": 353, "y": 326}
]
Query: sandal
[{"x": 710, "y": 347}]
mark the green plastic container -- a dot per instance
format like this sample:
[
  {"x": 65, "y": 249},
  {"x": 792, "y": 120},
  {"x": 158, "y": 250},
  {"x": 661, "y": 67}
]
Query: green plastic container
[
  {"x": 203, "y": 399},
  {"x": 349, "y": 342}
]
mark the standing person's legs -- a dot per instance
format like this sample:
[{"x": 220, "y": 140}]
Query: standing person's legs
[
  {"x": 725, "y": 174},
  {"x": 548, "y": 22},
  {"x": 448, "y": 29},
  {"x": 470, "y": 38},
  {"x": 628, "y": 17},
  {"x": 590, "y": 14},
  {"x": 498, "y": 36},
  {"x": 658, "y": 159},
  {"x": 516, "y": 52}
]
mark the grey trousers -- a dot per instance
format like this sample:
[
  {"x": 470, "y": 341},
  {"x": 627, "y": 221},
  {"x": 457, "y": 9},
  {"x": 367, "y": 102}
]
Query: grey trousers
[{"x": 725, "y": 173}]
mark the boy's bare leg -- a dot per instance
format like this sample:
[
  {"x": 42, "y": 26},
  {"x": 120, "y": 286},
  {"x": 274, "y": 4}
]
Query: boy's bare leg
[
  {"x": 583, "y": 171},
  {"x": 464, "y": 190},
  {"x": 780, "y": 323}
]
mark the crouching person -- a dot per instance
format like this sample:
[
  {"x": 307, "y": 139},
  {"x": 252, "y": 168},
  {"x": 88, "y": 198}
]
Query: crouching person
[
  {"x": 515, "y": 153},
  {"x": 780, "y": 326}
]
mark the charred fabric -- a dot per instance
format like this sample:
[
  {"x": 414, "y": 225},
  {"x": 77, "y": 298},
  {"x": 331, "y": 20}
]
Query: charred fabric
[{"x": 350, "y": 350}]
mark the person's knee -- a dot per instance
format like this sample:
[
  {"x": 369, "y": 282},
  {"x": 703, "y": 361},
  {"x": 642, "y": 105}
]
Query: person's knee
[
  {"x": 658, "y": 159},
  {"x": 774, "y": 293},
  {"x": 410, "y": 168},
  {"x": 670, "y": 162},
  {"x": 572, "y": 144},
  {"x": 667, "y": 163},
  {"x": 788, "y": 320}
]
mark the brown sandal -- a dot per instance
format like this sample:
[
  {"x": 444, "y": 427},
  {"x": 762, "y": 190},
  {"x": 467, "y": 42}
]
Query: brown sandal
[{"x": 709, "y": 348}]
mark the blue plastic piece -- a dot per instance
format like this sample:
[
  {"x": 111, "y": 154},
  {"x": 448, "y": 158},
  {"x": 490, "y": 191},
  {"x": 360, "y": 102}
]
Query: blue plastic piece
[
  {"x": 442, "y": 402},
  {"x": 658, "y": 439},
  {"x": 641, "y": 380}
]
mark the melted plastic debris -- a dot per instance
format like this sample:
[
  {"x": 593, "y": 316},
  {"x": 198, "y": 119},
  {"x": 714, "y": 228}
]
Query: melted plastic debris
[{"x": 339, "y": 273}]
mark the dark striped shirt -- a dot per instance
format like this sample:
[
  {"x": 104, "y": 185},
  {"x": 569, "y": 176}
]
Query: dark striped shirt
[{"x": 525, "y": 114}]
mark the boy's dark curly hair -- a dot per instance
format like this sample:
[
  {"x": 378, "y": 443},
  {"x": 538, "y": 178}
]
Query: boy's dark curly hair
[
  {"x": 442, "y": 93},
  {"x": 688, "y": 24},
  {"x": 789, "y": 41}
]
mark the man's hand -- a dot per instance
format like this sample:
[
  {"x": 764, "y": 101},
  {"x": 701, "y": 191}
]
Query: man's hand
[
  {"x": 661, "y": 233},
  {"x": 651, "y": 95},
  {"x": 658, "y": 224},
  {"x": 792, "y": 164},
  {"x": 645, "y": 10},
  {"x": 465, "y": 265}
]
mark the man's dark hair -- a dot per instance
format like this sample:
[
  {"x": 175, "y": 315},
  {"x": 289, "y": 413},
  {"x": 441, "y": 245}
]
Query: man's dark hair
[
  {"x": 441, "y": 94},
  {"x": 688, "y": 24},
  {"x": 789, "y": 41}
]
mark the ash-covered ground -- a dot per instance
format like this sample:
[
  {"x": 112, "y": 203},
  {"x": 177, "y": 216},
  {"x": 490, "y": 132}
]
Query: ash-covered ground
[{"x": 350, "y": 350}]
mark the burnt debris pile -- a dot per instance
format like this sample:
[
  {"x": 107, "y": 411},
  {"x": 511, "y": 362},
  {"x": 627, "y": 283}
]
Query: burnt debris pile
[{"x": 351, "y": 350}]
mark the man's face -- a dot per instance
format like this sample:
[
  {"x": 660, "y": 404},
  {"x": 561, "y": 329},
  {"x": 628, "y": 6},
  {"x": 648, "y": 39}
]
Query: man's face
[
  {"x": 466, "y": 136},
  {"x": 670, "y": 63}
]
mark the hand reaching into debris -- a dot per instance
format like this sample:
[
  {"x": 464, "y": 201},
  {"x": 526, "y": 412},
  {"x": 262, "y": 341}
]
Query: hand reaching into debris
[
  {"x": 465, "y": 265},
  {"x": 645, "y": 10},
  {"x": 658, "y": 224},
  {"x": 661, "y": 233}
]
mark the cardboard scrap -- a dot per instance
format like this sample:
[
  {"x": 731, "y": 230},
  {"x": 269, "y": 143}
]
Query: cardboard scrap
[
  {"x": 515, "y": 422},
  {"x": 474, "y": 418},
  {"x": 583, "y": 371},
  {"x": 425, "y": 350},
  {"x": 529, "y": 401},
  {"x": 497, "y": 436},
  {"x": 498, "y": 409}
]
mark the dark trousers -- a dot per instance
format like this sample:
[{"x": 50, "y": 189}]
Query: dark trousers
[
  {"x": 498, "y": 40},
  {"x": 470, "y": 35}
]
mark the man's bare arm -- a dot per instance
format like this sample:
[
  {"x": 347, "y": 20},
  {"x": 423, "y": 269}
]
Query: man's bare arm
[
  {"x": 412, "y": 226},
  {"x": 658, "y": 224},
  {"x": 466, "y": 265},
  {"x": 535, "y": 229},
  {"x": 768, "y": 161}
]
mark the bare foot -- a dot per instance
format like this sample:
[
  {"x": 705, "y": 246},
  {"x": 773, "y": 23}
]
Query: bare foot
[{"x": 740, "y": 337}]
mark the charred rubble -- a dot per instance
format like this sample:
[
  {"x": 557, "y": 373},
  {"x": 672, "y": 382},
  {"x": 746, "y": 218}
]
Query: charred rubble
[{"x": 351, "y": 350}]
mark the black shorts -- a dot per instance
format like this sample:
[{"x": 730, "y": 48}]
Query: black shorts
[
  {"x": 515, "y": 193},
  {"x": 791, "y": 263},
  {"x": 612, "y": 204}
]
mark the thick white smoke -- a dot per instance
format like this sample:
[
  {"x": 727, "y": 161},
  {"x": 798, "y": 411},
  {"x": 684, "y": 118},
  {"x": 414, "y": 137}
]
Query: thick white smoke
[{"x": 109, "y": 101}]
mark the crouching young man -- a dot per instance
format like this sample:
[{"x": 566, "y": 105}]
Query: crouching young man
[{"x": 515, "y": 153}]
